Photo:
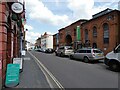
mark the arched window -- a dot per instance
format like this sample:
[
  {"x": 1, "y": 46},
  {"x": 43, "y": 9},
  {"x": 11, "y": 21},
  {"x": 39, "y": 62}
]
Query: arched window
[
  {"x": 106, "y": 33},
  {"x": 86, "y": 35},
  {"x": 94, "y": 31}
]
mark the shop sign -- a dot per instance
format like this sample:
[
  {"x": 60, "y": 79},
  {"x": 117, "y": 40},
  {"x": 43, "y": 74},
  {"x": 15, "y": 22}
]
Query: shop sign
[
  {"x": 17, "y": 7},
  {"x": 12, "y": 75},
  {"x": 18, "y": 61}
]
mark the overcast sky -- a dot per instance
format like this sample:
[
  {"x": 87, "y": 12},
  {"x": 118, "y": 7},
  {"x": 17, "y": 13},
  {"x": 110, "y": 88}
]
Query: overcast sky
[{"x": 52, "y": 15}]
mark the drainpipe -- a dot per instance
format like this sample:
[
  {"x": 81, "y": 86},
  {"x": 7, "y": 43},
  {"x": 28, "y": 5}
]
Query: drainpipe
[{"x": 21, "y": 36}]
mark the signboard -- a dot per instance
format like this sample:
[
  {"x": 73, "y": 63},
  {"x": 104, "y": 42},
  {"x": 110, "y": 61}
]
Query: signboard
[
  {"x": 23, "y": 52},
  {"x": 17, "y": 7},
  {"x": 12, "y": 75},
  {"x": 18, "y": 61},
  {"x": 78, "y": 33}
]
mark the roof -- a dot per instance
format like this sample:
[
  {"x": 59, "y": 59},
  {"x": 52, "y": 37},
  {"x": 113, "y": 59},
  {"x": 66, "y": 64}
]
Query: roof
[
  {"x": 101, "y": 15},
  {"x": 81, "y": 20}
]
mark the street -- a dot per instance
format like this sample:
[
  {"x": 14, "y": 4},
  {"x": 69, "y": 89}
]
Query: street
[{"x": 68, "y": 73}]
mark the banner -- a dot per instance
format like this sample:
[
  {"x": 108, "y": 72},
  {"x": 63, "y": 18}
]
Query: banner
[{"x": 78, "y": 33}]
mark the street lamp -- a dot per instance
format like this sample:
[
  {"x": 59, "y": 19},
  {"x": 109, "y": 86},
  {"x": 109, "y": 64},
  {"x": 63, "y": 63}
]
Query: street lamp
[{"x": 24, "y": 38}]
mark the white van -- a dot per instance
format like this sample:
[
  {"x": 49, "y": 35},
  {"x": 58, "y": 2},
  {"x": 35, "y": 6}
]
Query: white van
[{"x": 112, "y": 59}]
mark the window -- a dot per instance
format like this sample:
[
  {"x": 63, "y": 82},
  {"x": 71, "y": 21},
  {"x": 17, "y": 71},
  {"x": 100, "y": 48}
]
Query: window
[
  {"x": 82, "y": 51},
  {"x": 86, "y": 35},
  {"x": 94, "y": 31},
  {"x": 105, "y": 33},
  {"x": 88, "y": 51},
  {"x": 94, "y": 45},
  {"x": 74, "y": 32},
  {"x": 118, "y": 50},
  {"x": 97, "y": 51}
]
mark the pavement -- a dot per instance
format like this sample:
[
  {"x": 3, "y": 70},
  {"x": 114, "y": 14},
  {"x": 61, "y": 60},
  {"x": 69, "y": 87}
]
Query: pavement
[{"x": 31, "y": 76}]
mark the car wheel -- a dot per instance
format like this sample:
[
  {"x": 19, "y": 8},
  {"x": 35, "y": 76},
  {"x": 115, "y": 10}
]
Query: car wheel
[
  {"x": 114, "y": 66},
  {"x": 71, "y": 57},
  {"x": 86, "y": 60},
  {"x": 56, "y": 54},
  {"x": 61, "y": 55}
]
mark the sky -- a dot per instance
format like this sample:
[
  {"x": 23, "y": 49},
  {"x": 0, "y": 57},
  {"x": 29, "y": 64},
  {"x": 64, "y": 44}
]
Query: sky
[{"x": 51, "y": 15}]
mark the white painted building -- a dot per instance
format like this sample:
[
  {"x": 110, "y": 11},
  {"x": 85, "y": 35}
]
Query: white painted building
[
  {"x": 29, "y": 46},
  {"x": 46, "y": 41}
]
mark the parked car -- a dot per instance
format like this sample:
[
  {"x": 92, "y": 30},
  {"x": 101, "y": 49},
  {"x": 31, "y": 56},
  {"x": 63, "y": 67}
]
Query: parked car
[
  {"x": 43, "y": 49},
  {"x": 64, "y": 51},
  {"x": 112, "y": 59},
  {"x": 87, "y": 54},
  {"x": 49, "y": 50},
  {"x": 38, "y": 49}
]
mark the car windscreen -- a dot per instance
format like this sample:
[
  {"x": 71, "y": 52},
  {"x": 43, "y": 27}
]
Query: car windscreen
[
  {"x": 69, "y": 48},
  {"x": 97, "y": 51}
]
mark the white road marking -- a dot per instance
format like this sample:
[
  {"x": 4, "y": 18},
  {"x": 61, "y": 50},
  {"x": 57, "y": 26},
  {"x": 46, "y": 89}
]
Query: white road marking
[{"x": 48, "y": 72}]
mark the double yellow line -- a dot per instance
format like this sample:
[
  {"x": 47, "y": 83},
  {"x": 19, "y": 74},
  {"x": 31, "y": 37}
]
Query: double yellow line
[{"x": 45, "y": 70}]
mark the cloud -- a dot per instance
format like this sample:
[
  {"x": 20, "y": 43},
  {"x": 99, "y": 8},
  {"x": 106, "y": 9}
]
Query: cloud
[
  {"x": 84, "y": 9},
  {"x": 29, "y": 27},
  {"x": 81, "y": 8},
  {"x": 32, "y": 36},
  {"x": 38, "y": 11}
]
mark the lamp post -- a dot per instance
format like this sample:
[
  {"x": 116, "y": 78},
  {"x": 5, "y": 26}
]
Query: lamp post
[{"x": 24, "y": 38}]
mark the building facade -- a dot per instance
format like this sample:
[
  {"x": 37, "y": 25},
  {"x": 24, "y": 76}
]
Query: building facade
[
  {"x": 46, "y": 41},
  {"x": 38, "y": 42},
  {"x": 55, "y": 41},
  {"x": 69, "y": 35},
  {"x": 102, "y": 31},
  {"x": 10, "y": 36}
]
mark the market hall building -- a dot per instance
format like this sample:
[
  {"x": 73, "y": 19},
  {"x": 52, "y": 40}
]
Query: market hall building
[{"x": 102, "y": 31}]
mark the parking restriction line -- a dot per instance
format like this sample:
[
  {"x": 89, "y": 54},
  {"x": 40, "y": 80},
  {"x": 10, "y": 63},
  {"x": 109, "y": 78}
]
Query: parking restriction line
[{"x": 43, "y": 68}]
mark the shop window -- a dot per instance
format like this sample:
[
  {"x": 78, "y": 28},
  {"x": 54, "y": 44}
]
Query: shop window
[
  {"x": 106, "y": 33},
  {"x": 94, "y": 31}
]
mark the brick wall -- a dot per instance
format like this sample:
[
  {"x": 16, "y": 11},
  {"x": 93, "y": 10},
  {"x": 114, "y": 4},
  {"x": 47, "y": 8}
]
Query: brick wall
[
  {"x": 98, "y": 22},
  {"x": 3, "y": 38}
]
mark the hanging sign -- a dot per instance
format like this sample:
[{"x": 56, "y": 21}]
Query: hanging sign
[{"x": 17, "y": 7}]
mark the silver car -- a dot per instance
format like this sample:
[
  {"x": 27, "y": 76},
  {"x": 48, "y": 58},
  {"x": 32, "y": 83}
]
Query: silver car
[
  {"x": 64, "y": 51},
  {"x": 87, "y": 54}
]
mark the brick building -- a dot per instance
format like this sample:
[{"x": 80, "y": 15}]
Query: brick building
[
  {"x": 38, "y": 42},
  {"x": 55, "y": 41},
  {"x": 102, "y": 31},
  {"x": 68, "y": 35},
  {"x": 11, "y": 29}
]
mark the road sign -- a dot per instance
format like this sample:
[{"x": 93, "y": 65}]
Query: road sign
[{"x": 12, "y": 75}]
